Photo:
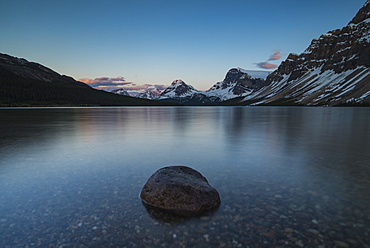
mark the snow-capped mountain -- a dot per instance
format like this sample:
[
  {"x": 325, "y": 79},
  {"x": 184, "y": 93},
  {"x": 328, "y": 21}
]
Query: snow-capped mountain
[
  {"x": 149, "y": 94},
  {"x": 178, "y": 89},
  {"x": 237, "y": 83},
  {"x": 180, "y": 92},
  {"x": 334, "y": 69},
  {"x": 120, "y": 92}
]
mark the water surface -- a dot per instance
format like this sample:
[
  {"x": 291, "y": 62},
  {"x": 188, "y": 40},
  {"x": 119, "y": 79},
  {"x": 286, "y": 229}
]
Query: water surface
[{"x": 287, "y": 176}]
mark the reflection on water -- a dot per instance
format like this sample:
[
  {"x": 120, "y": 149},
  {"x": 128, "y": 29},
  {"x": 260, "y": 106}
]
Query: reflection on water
[{"x": 287, "y": 177}]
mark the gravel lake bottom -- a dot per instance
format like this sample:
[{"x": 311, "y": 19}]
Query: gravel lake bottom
[{"x": 287, "y": 176}]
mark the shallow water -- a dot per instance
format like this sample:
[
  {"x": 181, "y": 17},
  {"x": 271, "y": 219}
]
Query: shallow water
[{"x": 287, "y": 176}]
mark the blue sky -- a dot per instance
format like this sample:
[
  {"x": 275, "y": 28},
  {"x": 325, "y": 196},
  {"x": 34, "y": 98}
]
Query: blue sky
[{"x": 158, "y": 41}]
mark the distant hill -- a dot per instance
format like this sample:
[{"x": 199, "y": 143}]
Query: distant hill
[{"x": 24, "y": 83}]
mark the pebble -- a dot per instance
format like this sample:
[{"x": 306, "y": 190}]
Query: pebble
[
  {"x": 313, "y": 231},
  {"x": 206, "y": 236},
  {"x": 288, "y": 230},
  {"x": 341, "y": 244},
  {"x": 299, "y": 243}
]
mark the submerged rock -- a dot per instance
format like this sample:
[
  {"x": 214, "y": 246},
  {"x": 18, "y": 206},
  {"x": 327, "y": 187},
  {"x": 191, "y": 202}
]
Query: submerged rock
[{"x": 180, "y": 190}]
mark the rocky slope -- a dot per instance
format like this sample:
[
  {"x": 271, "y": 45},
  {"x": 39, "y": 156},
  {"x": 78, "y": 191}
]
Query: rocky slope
[{"x": 334, "y": 69}]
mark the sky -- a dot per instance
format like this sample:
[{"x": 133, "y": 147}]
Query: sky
[{"x": 141, "y": 43}]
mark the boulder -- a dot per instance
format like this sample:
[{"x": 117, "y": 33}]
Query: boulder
[{"x": 179, "y": 190}]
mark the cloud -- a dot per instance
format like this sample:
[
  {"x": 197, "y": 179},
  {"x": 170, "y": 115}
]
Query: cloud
[
  {"x": 109, "y": 84},
  {"x": 266, "y": 65},
  {"x": 104, "y": 81},
  {"x": 275, "y": 56}
]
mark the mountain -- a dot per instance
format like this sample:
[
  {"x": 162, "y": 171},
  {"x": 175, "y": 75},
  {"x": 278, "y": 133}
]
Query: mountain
[
  {"x": 237, "y": 83},
  {"x": 177, "y": 89},
  {"x": 333, "y": 70},
  {"x": 121, "y": 92},
  {"x": 152, "y": 94},
  {"x": 180, "y": 92},
  {"x": 25, "y": 83},
  {"x": 147, "y": 94}
]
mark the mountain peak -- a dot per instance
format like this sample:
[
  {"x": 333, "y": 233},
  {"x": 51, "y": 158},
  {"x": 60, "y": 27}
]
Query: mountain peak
[
  {"x": 177, "y": 81},
  {"x": 120, "y": 91},
  {"x": 238, "y": 82},
  {"x": 178, "y": 88},
  {"x": 362, "y": 15},
  {"x": 239, "y": 69}
]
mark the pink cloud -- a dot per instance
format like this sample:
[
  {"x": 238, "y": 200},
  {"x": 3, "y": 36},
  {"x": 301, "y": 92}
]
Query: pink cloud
[
  {"x": 266, "y": 65},
  {"x": 104, "y": 81},
  {"x": 276, "y": 55},
  {"x": 86, "y": 80}
]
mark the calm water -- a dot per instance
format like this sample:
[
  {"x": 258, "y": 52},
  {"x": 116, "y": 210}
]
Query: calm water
[{"x": 287, "y": 177}]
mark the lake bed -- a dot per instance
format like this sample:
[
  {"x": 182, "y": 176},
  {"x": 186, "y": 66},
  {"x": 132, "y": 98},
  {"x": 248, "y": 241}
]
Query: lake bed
[{"x": 287, "y": 176}]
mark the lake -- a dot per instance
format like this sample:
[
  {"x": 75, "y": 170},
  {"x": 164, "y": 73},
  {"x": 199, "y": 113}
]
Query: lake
[{"x": 287, "y": 176}]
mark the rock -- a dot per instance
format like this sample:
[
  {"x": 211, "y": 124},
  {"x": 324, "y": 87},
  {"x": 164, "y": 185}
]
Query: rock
[{"x": 179, "y": 190}]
